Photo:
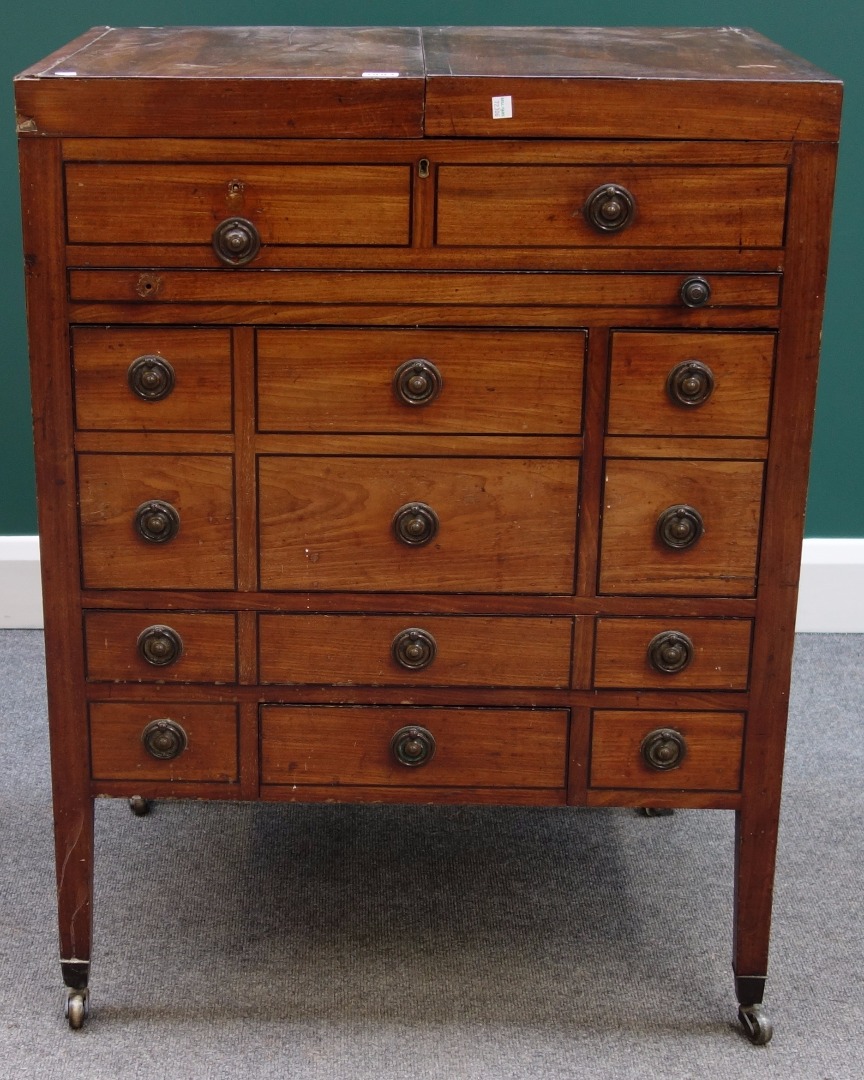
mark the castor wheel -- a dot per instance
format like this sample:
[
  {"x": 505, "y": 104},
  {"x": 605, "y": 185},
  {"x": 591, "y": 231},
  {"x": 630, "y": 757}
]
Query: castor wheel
[
  {"x": 655, "y": 811},
  {"x": 757, "y": 1026},
  {"x": 77, "y": 1008},
  {"x": 139, "y": 806}
]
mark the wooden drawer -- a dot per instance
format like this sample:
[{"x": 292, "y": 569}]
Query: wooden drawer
[
  {"x": 183, "y": 379},
  {"x": 117, "y": 750},
  {"x": 722, "y": 562},
  {"x": 485, "y": 748},
  {"x": 711, "y": 758},
  {"x": 198, "y": 487},
  {"x": 505, "y": 525},
  {"x": 421, "y": 650},
  {"x": 161, "y": 646},
  {"x": 490, "y": 381},
  {"x": 675, "y": 206},
  {"x": 658, "y": 384},
  {"x": 672, "y": 653},
  {"x": 166, "y": 203}
]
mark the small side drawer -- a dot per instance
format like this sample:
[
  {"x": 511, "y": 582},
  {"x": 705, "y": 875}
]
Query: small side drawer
[
  {"x": 152, "y": 379},
  {"x": 672, "y": 654},
  {"x": 189, "y": 499},
  {"x": 708, "y": 747},
  {"x": 340, "y": 745},
  {"x": 464, "y": 382},
  {"x": 415, "y": 650},
  {"x": 672, "y": 206},
  {"x": 719, "y": 560},
  {"x": 205, "y": 744},
  {"x": 690, "y": 384},
  {"x": 161, "y": 646},
  {"x": 169, "y": 203}
]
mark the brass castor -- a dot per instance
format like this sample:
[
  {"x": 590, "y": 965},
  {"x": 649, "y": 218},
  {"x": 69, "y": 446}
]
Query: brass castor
[
  {"x": 77, "y": 1008},
  {"x": 139, "y": 806},
  {"x": 757, "y": 1027},
  {"x": 655, "y": 811}
]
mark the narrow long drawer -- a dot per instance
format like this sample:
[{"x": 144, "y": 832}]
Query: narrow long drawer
[
  {"x": 419, "y": 382},
  {"x": 341, "y": 745},
  {"x": 490, "y": 525},
  {"x": 417, "y": 650},
  {"x": 690, "y": 751},
  {"x": 652, "y": 543},
  {"x": 158, "y": 204},
  {"x": 164, "y": 741},
  {"x": 672, "y": 653},
  {"x": 673, "y": 206},
  {"x": 185, "y": 504},
  {"x": 161, "y": 646},
  {"x": 152, "y": 378},
  {"x": 707, "y": 383}
]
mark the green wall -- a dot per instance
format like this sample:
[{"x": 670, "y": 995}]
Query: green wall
[{"x": 827, "y": 32}]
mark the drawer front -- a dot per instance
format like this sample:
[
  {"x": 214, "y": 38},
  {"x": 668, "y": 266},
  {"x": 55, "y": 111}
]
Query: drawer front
[
  {"x": 673, "y": 206},
  {"x": 288, "y": 204},
  {"x": 502, "y": 525},
  {"x": 204, "y": 736},
  {"x": 152, "y": 379},
  {"x": 421, "y": 381},
  {"x": 119, "y": 492},
  {"x": 726, "y": 495},
  {"x": 161, "y": 646},
  {"x": 690, "y": 384},
  {"x": 672, "y": 653},
  {"x": 705, "y": 749},
  {"x": 417, "y": 650},
  {"x": 486, "y": 748}
]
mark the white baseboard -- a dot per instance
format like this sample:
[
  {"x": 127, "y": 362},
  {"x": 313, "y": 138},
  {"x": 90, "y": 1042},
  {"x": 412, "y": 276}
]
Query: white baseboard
[{"x": 830, "y": 599}]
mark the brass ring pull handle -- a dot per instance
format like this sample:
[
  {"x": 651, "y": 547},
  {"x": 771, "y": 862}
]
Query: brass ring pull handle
[
  {"x": 610, "y": 208},
  {"x": 164, "y": 739},
  {"x": 413, "y": 746},
  {"x": 663, "y": 749},
  {"x": 150, "y": 377},
  {"x": 690, "y": 383},
  {"x": 157, "y": 521},
  {"x": 670, "y": 652},
  {"x": 415, "y": 524},
  {"x": 236, "y": 241},
  {"x": 417, "y": 382},
  {"x": 680, "y": 527},
  {"x": 695, "y": 292},
  {"x": 414, "y": 649},
  {"x": 160, "y": 645}
]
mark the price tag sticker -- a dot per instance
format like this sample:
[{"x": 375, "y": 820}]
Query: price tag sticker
[{"x": 502, "y": 108}]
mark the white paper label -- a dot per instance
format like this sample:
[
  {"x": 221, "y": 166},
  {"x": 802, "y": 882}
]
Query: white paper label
[{"x": 502, "y": 108}]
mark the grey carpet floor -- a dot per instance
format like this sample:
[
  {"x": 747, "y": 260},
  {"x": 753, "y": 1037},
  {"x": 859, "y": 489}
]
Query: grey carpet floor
[{"x": 456, "y": 943}]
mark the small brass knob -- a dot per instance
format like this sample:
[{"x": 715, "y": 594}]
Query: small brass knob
[
  {"x": 690, "y": 383},
  {"x": 157, "y": 521},
  {"x": 415, "y": 524},
  {"x": 414, "y": 649},
  {"x": 413, "y": 746},
  {"x": 680, "y": 526},
  {"x": 417, "y": 382},
  {"x": 160, "y": 645},
  {"x": 609, "y": 208},
  {"x": 150, "y": 377},
  {"x": 695, "y": 292},
  {"x": 164, "y": 739},
  {"x": 236, "y": 241},
  {"x": 663, "y": 749},
  {"x": 670, "y": 652}
]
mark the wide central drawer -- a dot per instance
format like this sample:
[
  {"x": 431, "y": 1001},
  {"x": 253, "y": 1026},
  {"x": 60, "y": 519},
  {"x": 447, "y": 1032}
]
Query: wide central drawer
[
  {"x": 423, "y": 525},
  {"x": 415, "y": 747}
]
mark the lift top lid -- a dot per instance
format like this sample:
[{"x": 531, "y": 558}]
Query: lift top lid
[{"x": 404, "y": 82}]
